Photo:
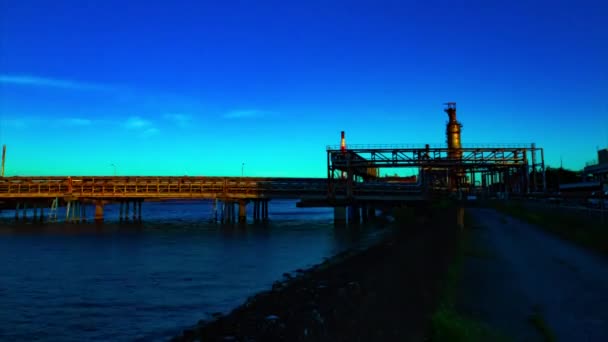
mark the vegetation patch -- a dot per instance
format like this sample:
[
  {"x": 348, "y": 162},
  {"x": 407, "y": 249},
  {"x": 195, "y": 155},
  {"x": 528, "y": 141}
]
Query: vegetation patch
[
  {"x": 537, "y": 320},
  {"x": 447, "y": 323},
  {"x": 568, "y": 226}
]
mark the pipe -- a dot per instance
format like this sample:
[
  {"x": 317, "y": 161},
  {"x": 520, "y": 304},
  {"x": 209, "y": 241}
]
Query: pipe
[{"x": 3, "y": 160}]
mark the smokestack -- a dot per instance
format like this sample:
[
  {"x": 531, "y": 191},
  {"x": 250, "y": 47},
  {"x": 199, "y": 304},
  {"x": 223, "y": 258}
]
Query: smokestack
[
  {"x": 342, "y": 142},
  {"x": 452, "y": 131},
  {"x": 3, "y": 159}
]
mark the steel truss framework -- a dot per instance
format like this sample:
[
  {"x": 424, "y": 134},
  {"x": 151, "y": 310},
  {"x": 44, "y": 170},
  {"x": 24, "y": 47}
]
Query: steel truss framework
[{"x": 519, "y": 168}]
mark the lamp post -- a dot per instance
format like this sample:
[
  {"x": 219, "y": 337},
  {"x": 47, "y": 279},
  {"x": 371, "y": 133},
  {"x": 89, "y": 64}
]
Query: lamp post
[
  {"x": 242, "y": 169},
  {"x": 114, "y": 166}
]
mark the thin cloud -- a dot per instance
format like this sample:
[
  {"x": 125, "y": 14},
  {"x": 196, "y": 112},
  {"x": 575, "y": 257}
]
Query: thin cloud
[
  {"x": 35, "y": 81},
  {"x": 136, "y": 122},
  {"x": 241, "y": 114},
  {"x": 76, "y": 122},
  {"x": 181, "y": 120},
  {"x": 144, "y": 127},
  {"x": 149, "y": 132}
]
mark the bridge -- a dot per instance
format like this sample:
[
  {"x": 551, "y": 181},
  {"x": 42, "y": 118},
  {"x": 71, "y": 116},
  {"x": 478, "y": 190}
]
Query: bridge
[
  {"x": 353, "y": 181},
  {"x": 130, "y": 192}
]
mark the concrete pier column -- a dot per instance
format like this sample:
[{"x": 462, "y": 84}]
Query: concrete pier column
[
  {"x": 242, "y": 211},
  {"x": 24, "y": 212},
  {"x": 35, "y": 215},
  {"x": 371, "y": 211},
  {"x": 222, "y": 211},
  {"x": 460, "y": 218},
  {"x": 139, "y": 210},
  {"x": 99, "y": 211},
  {"x": 67, "y": 211},
  {"x": 339, "y": 216},
  {"x": 134, "y": 211},
  {"x": 256, "y": 203},
  {"x": 353, "y": 214}
]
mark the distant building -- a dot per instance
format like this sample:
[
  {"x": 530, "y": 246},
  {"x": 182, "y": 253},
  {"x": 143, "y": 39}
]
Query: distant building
[
  {"x": 602, "y": 156},
  {"x": 599, "y": 171}
]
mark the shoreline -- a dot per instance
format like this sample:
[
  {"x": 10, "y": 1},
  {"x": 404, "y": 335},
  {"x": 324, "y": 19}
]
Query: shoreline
[{"x": 386, "y": 291}]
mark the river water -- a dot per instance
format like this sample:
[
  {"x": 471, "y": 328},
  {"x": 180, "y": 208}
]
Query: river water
[{"x": 123, "y": 282}]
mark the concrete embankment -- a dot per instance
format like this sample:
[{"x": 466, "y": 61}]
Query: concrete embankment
[{"x": 387, "y": 292}]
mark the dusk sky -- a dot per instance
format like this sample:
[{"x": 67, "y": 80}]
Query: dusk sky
[{"x": 198, "y": 88}]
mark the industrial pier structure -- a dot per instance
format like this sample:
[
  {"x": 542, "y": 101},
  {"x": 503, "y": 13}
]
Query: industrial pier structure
[{"x": 353, "y": 184}]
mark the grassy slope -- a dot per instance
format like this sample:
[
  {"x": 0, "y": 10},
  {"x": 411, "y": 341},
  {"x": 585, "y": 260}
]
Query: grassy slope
[{"x": 568, "y": 226}]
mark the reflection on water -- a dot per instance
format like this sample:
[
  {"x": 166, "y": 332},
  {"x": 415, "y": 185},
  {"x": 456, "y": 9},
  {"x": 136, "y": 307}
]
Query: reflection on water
[{"x": 125, "y": 281}]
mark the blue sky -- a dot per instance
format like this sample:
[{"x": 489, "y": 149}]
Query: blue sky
[{"x": 198, "y": 88}]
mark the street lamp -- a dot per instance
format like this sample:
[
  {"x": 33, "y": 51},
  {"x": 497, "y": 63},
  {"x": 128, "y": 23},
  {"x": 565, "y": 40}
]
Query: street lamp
[
  {"x": 242, "y": 169},
  {"x": 114, "y": 169}
]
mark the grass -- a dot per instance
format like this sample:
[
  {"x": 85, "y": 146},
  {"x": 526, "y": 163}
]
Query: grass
[
  {"x": 589, "y": 234},
  {"x": 537, "y": 320},
  {"x": 447, "y": 324}
]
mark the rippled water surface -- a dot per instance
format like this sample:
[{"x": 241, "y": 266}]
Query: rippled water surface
[{"x": 118, "y": 281}]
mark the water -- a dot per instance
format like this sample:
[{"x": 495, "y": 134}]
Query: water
[{"x": 126, "y": 282}]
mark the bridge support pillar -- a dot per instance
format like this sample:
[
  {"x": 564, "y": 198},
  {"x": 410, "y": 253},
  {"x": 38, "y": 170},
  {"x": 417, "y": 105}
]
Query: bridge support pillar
[
  {"x": 256, "y": 210},
  {"x": 42, "y": 214},
  {"x": 24, "y": 212},
  {"x": 265, "y": 210},
  {"x": 339, "y": 216},
  {"x": 127, "y": 210},
  {"x": 371, "y": 211},
  {"x": 17, "y": 211},
  {"x": 242, "y": 211},
  {"x": 134, "y": 211},
  {"x": 139, "y": 210},
  {"x": 354, "y": 215},
  {"x": 460, "y": 218},
  {"x": 364, "y": 213},
  {"x": 35, "y": 216},
  {"x": 120, "y": 210},
  {"x": 99, "y": 211}
]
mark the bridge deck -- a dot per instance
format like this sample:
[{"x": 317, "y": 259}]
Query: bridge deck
[{"x": 109, "y": 188}]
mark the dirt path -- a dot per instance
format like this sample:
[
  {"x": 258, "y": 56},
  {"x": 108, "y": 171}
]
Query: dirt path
[{"x": 515, "y": 270}]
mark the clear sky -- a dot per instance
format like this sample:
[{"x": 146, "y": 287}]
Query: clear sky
[{"x": 200, "y": 87}]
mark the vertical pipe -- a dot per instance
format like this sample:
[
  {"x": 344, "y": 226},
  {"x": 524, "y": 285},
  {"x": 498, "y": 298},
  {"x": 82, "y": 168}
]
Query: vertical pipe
[
  {"x": 3, "y": 159},
  {"x": 542, "y": 157}
]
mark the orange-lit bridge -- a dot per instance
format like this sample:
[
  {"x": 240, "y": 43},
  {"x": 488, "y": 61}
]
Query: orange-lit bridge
[{"x": 52, "y": 192}]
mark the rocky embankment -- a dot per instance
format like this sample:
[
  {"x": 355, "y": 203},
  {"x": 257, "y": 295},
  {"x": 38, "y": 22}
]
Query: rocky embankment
[{"x": 385, "y": 293}]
